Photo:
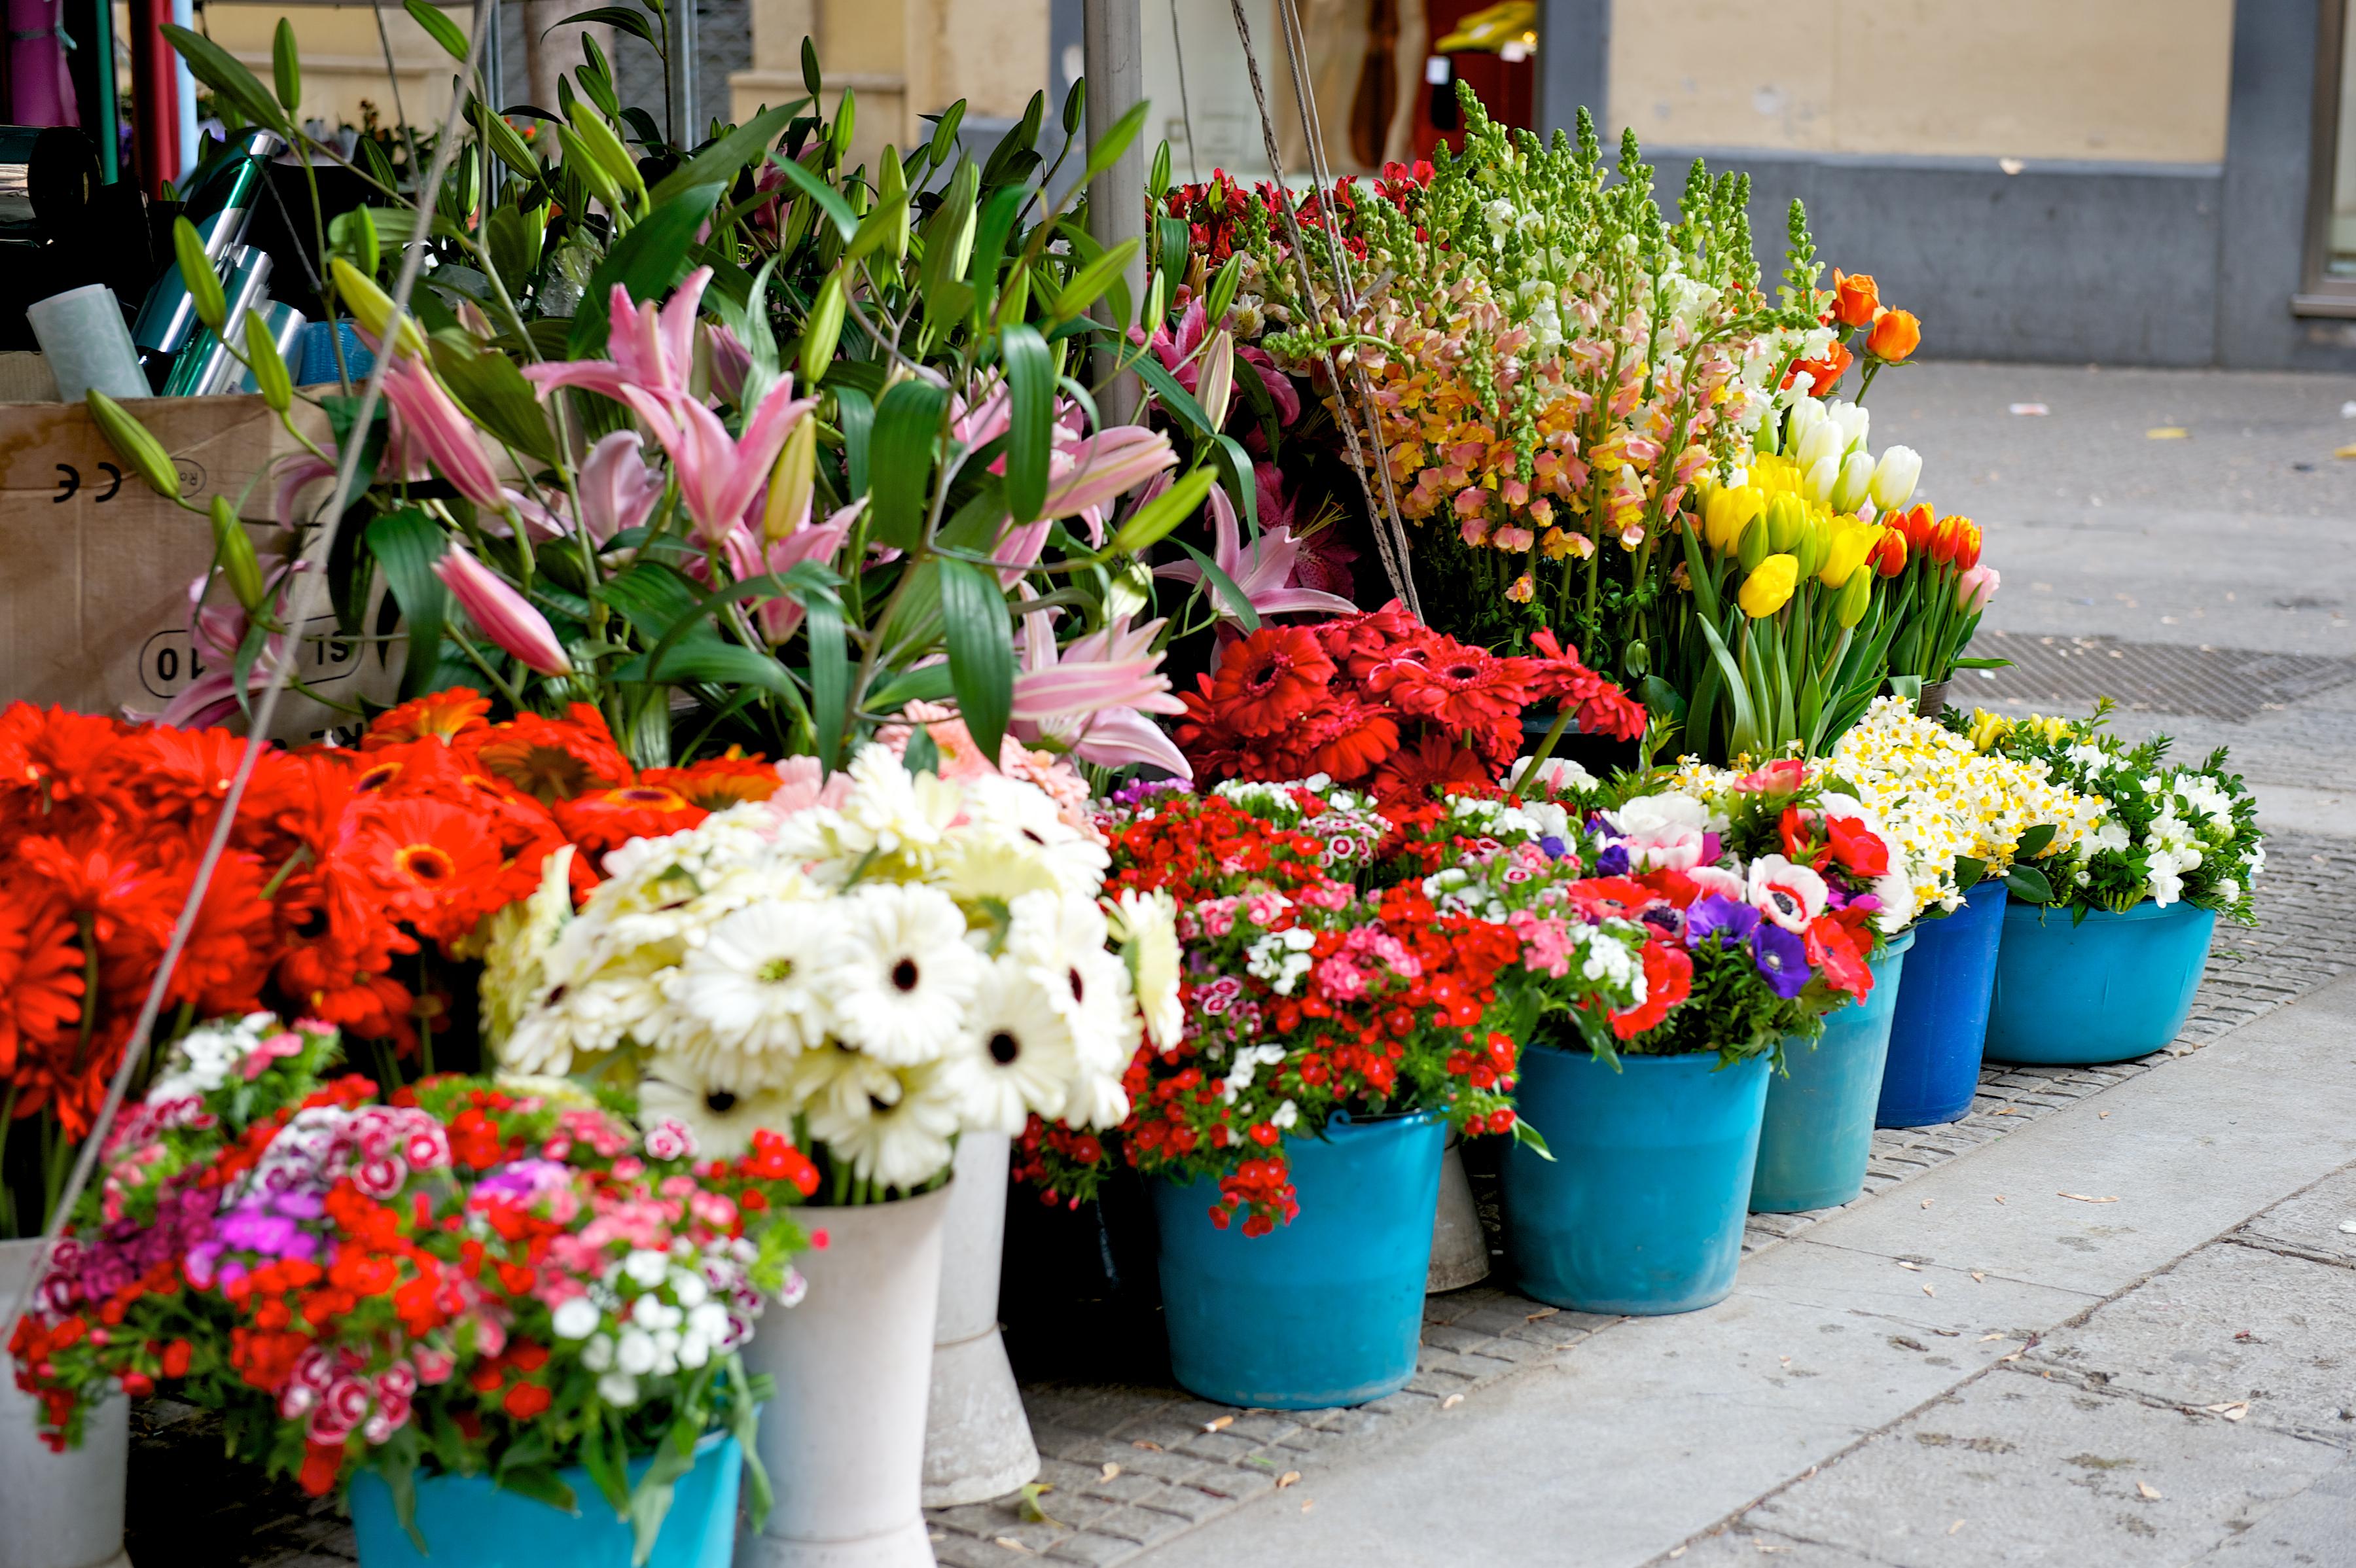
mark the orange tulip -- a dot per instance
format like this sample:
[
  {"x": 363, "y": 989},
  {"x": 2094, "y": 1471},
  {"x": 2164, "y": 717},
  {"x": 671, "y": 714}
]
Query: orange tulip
[
  {"x": 1967, "y": 545},
  {"x": 1895, "y": 334},
  {"x": 1916, "y": 522},
  {"x": 1948, "y": 541},
  {"x": 1889, "y": 555},
  {"x": 1855, "y": 297}
]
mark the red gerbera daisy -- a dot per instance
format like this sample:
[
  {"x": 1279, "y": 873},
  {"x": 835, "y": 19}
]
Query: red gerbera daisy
[
  {"x": 1270, "y": 680},
  {"x": 440, "y": 716},
  {"x": 40, "y": 973},
  {"x": 1411, "y": 773},
  {"x": 607, "y": 819},
  {"x": 431, "y": 860},
  {"x": 552, "y": 760},
  {"x": 718, "y": 782}
]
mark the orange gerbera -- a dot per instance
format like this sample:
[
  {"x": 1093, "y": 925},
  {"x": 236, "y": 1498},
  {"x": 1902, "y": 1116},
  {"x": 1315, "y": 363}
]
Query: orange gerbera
[
  {"x": 1410, "y": 774},
  {"x": 434, "y": 863},
  {"x": 552, "y": 759},
  {"x": 720, "y": 782},
  {"x": 40, "y": 973},
  {"x": 441, "y": 716},
  {"x": 607, "y": 819}
]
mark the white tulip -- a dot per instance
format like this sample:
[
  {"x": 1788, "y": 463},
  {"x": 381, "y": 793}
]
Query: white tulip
[
  {"x": 1853, "y": 422},
  {"x": 1822, "y": 440},
  {"x": 1894, "y": 478},
  {"x": 1855, "y": 484},
  {"x": 1806, "y": 415},
  {"x": 1823, "y": 475}
]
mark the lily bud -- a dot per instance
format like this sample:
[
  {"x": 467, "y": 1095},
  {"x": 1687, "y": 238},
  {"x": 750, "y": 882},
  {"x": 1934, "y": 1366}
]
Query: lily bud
[
  {"x": 1855, "y": 594},
  {"x": 372, "y": 308},
  {"x": 823, "y": 329},
  {"x": 133, "y": 443},
  {"x": 1214, "y": 387},
  {"x": 1769, "y": 587},
  {"x": 1786, "y": 515},
  {"x": 233, "y": 554},
  {"x": 1894, "y": 478},
  {"x": 1855, "y": 486},
  {"x": 790, "y": 482},
  {"x": 1822, "y": 476},
  {"x": 197, "y": 275},
  {"x": 1824, "y": 439},
  {"x": 504, "y": 615}
]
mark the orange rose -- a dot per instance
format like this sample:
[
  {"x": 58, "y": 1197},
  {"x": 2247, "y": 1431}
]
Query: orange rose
[
  {"x": 1895, "y": 334},
  {"x": 1855, "y": 297},
  {"x": 1825, "y": 373}
]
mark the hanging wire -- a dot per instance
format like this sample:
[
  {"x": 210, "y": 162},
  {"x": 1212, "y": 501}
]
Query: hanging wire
[
  {"x": 302, "y": 606},
  {"x": 1390, "y": 534},
  {"x": 1185, "y": 109}
]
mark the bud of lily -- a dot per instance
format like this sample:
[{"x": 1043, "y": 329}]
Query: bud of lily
[
  {"x": 791, "y": 482},
  {"x": 133, "y": 443},
  {"x": 1786, "y": 515},
  {"x": 1821, "y": 477},
  {"x": 1824, "y": 439},
  {"x": 1889, "y": 552},
  {"x": 1855, "y": 594},
  {"x": 823, "y": 329},
  {"x": 197, "y": 275},
  {"x": 1728, "y": 512},
  {"x": 504, "y": 615},
  {"x": 1754, "y": 546},
  {"x": 233, "y": 554},
  {"x": 1895, "y": 334},
  {"x": 372, "y": 308},
  {"x": 1974, "y": 588},
  {"x": 1894, "y": 478},
  {"x": 1214, "y": 385},
  {"x": 1769, "y": 587},
  {"x": 1855, "y": 486}
]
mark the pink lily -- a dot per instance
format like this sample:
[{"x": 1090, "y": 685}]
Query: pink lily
[
  {"x": 1178, "y": 357},
  {"x": 780, "y": 617},
  {"x": 1093, "y": 694},
  {"x": 504, "y": 615},
  {"x": 615, "y": 487},
  {"x": 1105, "y": 468},
  {"x": 430, "y": 421},
  {"x": 653, "y": 350},
  {"x": 1262, "y": 574},
  {"x": 731, "y": 361},
  {"x": 720, "y": 475},
  {"x": 215, "y": 634}
]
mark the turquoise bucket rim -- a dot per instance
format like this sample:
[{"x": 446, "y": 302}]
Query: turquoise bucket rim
[
  {"x": 2147, "y": 910},
  {"x": 1583, "y": 1053}
]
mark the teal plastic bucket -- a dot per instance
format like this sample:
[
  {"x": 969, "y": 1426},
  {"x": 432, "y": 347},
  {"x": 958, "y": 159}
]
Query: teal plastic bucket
[
  {"x": 1818, "y": 1132},
  {"x": 469, "y": 1524},
  {"x": 1327, "y": 1310},
  {"x": 1640, "y": 1209},
  {"x": 2108, "y": 989},
  {"x": 1941, "y": 1023}
]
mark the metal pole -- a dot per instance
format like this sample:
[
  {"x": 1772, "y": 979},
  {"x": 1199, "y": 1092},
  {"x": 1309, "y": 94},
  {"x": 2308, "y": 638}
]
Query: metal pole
[
  {"x": 678, "y": 44},
  {"x": 1113, "y": 40}
]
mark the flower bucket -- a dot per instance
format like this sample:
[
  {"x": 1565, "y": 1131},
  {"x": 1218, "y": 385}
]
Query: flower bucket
[
  {"x": 977, "y": 1438},
  {"x": 467, "y": 1522},
  {"x": 57, "y": 1510},
  {"x": 1941, "y": 1023},
  {"x": 1460, "y": 1247},
  {"x": 2108, "y": 989},
  {"x": 1640, "y": 1209},
  {"x": 1818, "y": 1130},
  {"x": 843, "y": 1436},
  {"x": 1327, "y": 1310}
]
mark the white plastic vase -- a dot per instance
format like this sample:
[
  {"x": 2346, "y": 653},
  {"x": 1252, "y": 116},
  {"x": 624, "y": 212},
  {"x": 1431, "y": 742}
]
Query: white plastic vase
[
  {"x": 57, "y": 1510},
  {"x": 843, "y": 1436},
  {"x": 977, "y": 1439},
  {"x": 1460, "y": 1248}
]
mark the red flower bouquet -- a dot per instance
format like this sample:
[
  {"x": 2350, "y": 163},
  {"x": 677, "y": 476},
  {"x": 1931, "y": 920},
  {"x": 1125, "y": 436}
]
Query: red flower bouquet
[
  {"x": 464, "y": 1279},
  {"x": 1382, "y": 702}
]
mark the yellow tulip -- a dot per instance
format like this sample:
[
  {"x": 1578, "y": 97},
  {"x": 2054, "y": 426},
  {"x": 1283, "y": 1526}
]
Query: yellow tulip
[
  {"x": 1856, "y": 596},
  {"x": 1786, "y": 515},
  {"x": 1728, "y": 512},
  {"x": 1753, "y": 547},
  {"x": 1768, "y": 588},
  {"x": 1816, "y": 540},
  {"x": 1852, "y": 542}
]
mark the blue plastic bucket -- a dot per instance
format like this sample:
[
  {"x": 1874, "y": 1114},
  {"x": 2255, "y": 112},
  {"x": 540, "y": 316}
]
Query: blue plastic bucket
[
  {"x": 1818, "y": 1132},
  {"x": 1327, "y": 1310},
  {"x": 2106, "y": 989},
  {"x": 1943, "y": 1011},
  {"x": 1641, "y": 1209},
  {"x": 469, "y": 1524}
]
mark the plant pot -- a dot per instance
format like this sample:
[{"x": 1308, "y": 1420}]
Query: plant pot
[
  {"x": 1078, "y": 1294},
  {"x": 977, "y": 1439},
  {"x": 843, "y": 1436},
  {"x": 1327, "y": 1310},
  {"x": 1933, "y": 700},
  {"x": 1818, "y": 1130},
  {"x": 1942, "y": 1018},
  {"x": 1460, "y": 1248},
  {"x": 467, "y": 1522},
  {"x": 57, "y": 1510},
  {"x": 2108, "y": 989},
  {"x": 1601, "y": 754},
  {"x": 1640, "y": 1209}
]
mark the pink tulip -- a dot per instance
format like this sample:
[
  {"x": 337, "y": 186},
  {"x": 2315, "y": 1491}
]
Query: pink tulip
[
  {"x": 780, "y": 617},
  {"x": 1974, "y": 588},
  {"x": 431, "y": 425},
  {"x": 1093, "y": 694},
  {"x": 615, "y": 487},
  {"x": 719, "y": 475},
  {"x": 504, "y": 615},
  {"x": 1103, "y": 468},
  {"x": 653, "y": 350},
  {"x": 1262, "y": 574}
]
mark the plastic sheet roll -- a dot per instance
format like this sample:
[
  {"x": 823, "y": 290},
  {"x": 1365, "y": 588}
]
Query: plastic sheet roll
[{"x": 82, "y": 335}]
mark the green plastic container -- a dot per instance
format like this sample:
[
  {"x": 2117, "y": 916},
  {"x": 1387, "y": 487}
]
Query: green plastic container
[
  {"x": 2109, "y": 988},
  {"x": 1819, "y": 1133}
]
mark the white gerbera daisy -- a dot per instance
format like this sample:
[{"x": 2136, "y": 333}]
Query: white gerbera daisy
[
  {"x": 1017, "y": 1056},
  {"x": 835, "y": 1079},
  {"x": 898, "y": 971},
  {"x": 748, "y": 984},
  {"x": 722, "y": 1108},
  {"x": 899, "y": 1136},
  {"x": 1146, "y": 926}
]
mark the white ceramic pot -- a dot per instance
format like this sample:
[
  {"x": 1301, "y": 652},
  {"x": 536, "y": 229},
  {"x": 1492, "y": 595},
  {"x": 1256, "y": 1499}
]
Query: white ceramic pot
[
  {"x": 843, "y": 1437},
  {"x": 1460, "y": 1248},
  {"x": 977, "y": 1438},
  {"x": 57, "y": 1510}
]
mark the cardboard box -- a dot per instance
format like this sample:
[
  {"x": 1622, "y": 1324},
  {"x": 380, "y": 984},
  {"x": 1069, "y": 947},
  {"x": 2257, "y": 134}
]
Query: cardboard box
[{"x": 95, "y": 567}]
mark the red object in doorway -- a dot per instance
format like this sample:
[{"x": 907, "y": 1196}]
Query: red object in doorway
[
  {"x": 155, "y": 96},
  {"x": 1508, "y": 89}
]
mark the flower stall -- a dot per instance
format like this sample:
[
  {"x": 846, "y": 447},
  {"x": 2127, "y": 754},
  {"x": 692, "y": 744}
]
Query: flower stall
[{"x": 825, "y": 764}]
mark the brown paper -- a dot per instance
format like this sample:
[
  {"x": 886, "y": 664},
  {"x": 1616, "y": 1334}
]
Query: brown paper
[{"x": 95, "y": 567}]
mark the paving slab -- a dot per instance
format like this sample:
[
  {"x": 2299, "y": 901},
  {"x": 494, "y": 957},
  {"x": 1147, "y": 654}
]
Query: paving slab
[
  {"x": 2019, "y": 1469},
  {"x": 2319, "y": 1223},
  {"x": 2316, "y": 1529},
  {"x": 2231, "y": 1325},
  {"x": 1748, "y": 1548}
]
